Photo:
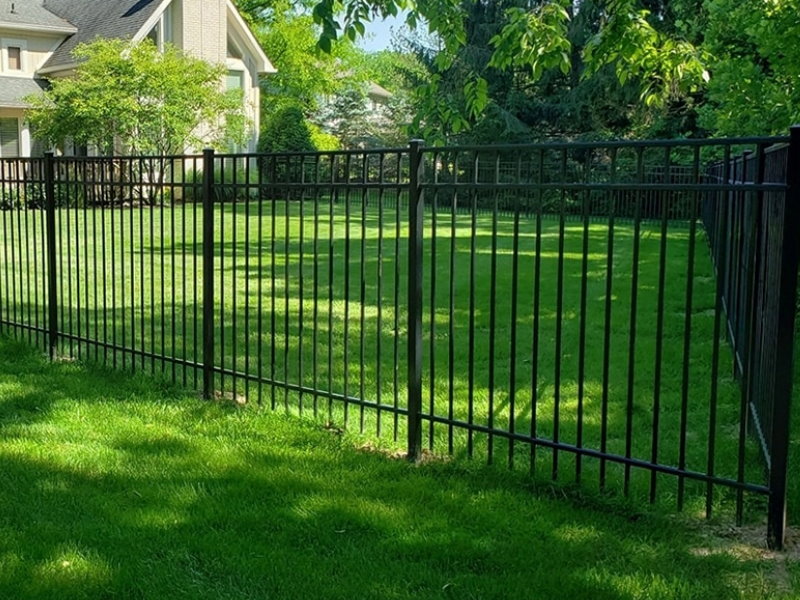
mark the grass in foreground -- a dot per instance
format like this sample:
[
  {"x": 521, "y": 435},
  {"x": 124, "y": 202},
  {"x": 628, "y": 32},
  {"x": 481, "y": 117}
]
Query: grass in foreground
[{"x": 118, "y": 487}]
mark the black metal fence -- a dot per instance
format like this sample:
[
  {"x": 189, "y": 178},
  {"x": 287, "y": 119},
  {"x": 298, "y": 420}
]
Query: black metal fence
[{"x": 557, "y": 307}]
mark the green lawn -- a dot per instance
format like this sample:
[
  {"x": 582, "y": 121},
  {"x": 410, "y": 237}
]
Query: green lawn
[
  {"x": 114, "y": 486},
  {"x": 148, "y": 260}
]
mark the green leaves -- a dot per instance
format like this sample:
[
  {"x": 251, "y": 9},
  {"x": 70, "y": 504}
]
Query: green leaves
[
  {"x": 756, "y": 66},
  {"x": 476, "y": 93},
  {"x": 534, "y": 39},
  {"x": 150, "y": 102},
  {"x": 665, "y": 68}
]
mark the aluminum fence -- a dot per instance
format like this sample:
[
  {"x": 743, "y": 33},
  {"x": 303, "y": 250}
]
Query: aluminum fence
[{"x": 558, "y": 307}]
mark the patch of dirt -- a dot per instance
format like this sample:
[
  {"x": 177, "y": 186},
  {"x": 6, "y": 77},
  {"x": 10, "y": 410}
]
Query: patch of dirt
[
  {"x": 230, "y": 398},
  {"x": 426, "y": 457},
  {"x": 332, "y": 428},
  {"x": 749, "y": 543},
  {"x": 65, "y": 359}
]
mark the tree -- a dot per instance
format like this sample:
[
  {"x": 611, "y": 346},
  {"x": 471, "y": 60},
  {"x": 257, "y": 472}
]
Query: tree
[
  {"x": 305, "y": 74},
  {"x": 755, "y": 67},
  {"x": 146, "y": 101},
  {"x": 348, "y": 118},
  {"x": 286, "y": 131},
  {"x": 535, "y": 36}
]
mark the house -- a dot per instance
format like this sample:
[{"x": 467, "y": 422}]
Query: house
[
  {"x": 358, "y": 115},
  {"x": 37, "y": 38},
  {"x": 378, "y": 97}
]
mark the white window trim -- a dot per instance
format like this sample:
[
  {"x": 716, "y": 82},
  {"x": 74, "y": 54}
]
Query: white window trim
[
  {"x": 20, "y": 149},
  {"x": 5, "y": 43}
]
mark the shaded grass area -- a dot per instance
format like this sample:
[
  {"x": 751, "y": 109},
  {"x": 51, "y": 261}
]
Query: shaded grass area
[
  {"x": 114, "y": 486},
  {"x": 132, "y": 277}
]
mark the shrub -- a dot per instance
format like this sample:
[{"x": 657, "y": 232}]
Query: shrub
[{"x": 286, "y": 131}]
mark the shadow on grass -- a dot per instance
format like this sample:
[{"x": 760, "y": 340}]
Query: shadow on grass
[{"x": 118, "y": 487}]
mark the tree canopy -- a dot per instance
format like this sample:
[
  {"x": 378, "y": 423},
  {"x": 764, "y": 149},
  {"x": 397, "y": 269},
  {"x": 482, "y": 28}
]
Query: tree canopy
[
  {"x": 592, "y": 67},
  {"x": 148, "y": 101},
  {"x": 515, "y": 70}
]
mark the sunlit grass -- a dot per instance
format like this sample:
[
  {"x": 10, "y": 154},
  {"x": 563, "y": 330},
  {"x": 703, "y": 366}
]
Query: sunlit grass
[{"x": 114, "y": 486}]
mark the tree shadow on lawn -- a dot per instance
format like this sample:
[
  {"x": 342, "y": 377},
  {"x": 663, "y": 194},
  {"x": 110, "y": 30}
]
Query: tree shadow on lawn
[{"x": 116, "y": 487}]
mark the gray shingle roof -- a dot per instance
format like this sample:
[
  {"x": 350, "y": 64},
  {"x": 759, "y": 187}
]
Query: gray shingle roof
[
  {"x": 30, "y": 12},
  {"x": 14, "y": 89},
  {"x": 93, "y": 18}
]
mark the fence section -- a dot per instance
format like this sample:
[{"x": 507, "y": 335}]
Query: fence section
[
  {"x": 557, "y": 307},
  {"x": 754, "y": 259}
]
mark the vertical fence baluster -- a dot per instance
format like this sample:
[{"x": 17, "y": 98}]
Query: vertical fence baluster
[
  {"x": 609, "y": 282},
  {"x": 750, "y": 205},
  {"x": 585, "y": 208},
  {"x": 512, "y": 375},
  {"x": 416, "y": 220},
  {"x": 562, "y": 202},
  {"x": 362, "y": 290},
  {"x": 537, "y": 280},
  {"x": 432, "y": 331},
  {"x": 659, "y": 363},
  {"x": 52, "y": 271},
  {"x": 472, "y": 252},
  {"x": 451, "y": 334},
  {"x": 687, "y": 331},
  {"x": 779, "y": 447},
  {"x": 208, "y": 274},
  {"x": 633, "y": 316},
  {"x": 720, "y": 228}
]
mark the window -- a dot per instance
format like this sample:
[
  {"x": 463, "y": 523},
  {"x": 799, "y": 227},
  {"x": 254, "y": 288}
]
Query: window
[
  {"x": 162, "y": 31},
  {"x": 235, "y": 80},
  {"x": 166, "y": 26},
  {"x": 233, "y": 50},
  {"x": 12, "y": 53},
  {"x": 14, "y": 58},
  {"x": 9, "y": 138}
]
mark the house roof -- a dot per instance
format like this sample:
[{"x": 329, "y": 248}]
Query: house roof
[
  {"x": 93, "y": 18},
  {"x": 14, "y": 89},
  {"x": 31, "y": 14},
  {"x": 377, "y": 91}
]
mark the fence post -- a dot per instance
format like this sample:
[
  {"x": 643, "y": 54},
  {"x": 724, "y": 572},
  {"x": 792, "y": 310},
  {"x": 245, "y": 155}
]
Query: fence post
[
  {"x": 790, "y": 253},
  {"x": 52, "y": 275},
  {"x": 208, "y": 273},
  {"x": 416, "y": 205}
]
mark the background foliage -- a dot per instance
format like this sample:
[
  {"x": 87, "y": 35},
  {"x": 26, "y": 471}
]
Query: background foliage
[
  {"x": 146, "y": 101},
  {"x": 481, "y": 71}
]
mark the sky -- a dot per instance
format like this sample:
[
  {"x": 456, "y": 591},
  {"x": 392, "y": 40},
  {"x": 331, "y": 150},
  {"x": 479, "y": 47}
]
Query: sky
[{"x": 379, "y": 33}]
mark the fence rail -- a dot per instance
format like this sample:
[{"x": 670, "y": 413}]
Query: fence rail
[{"x": 565, "y": 308}]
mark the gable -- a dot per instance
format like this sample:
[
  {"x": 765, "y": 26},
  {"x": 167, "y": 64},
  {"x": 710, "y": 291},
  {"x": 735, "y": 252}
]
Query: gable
[
  {"x": 97, "y": 18},
  {"x": 129, "y": 19},
  {"x": 244, "y": 39}
]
